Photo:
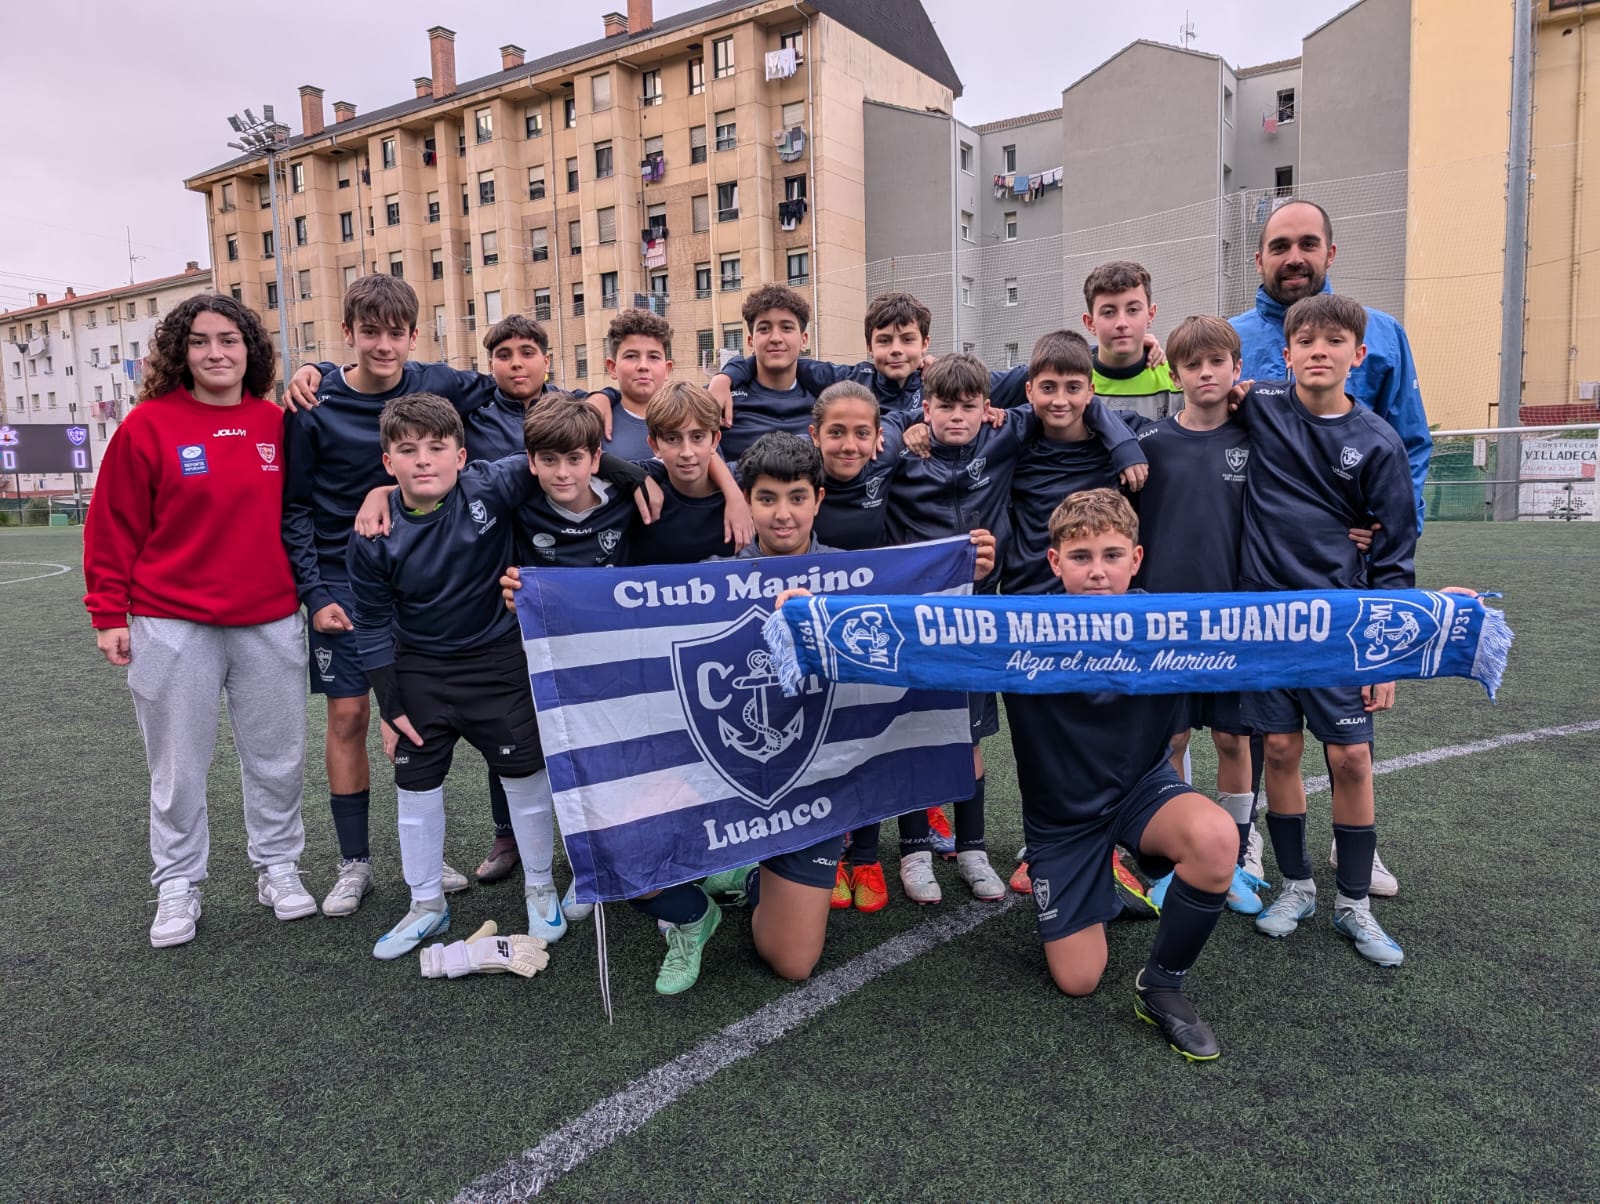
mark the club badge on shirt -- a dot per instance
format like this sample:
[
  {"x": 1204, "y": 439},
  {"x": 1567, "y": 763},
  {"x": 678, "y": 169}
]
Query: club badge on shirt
[{"x": 192, "y": 459}]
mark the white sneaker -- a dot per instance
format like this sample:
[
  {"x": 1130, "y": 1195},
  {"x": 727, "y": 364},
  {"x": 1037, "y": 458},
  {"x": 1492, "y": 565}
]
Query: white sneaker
[
  {"x": 1252, "y": 852},
  {"x": 917, "y": 880},
  {"x": 974, "y": 868},
  {"x": 571, "y": 908},
  {"x": 177, "y": 909},
  {"x": 1384, "y": 884},
  {"x": 279, "y": 887},
  {"x": 416, "y": 926},
  {"x": 353, "y": 884},
  {"x": 453, "y": 881},
  {"x": 544, "y": 914}
]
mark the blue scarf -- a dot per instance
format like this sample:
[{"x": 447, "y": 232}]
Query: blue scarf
[{"x": 1140, "y": 643}]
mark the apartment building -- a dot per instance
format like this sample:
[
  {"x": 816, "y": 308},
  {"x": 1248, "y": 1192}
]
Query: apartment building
[
  {"x": 673, "y": 164},
  {"x": 79, "y": 360}
]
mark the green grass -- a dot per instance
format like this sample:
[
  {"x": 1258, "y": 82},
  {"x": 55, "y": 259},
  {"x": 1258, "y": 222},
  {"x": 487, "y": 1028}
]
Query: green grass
[{"x": 271, "y": 1061}]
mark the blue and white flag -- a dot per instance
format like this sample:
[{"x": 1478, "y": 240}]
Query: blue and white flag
[
  {"x": 1145, "y": 643},
  {"x": 672, "y": 751}
]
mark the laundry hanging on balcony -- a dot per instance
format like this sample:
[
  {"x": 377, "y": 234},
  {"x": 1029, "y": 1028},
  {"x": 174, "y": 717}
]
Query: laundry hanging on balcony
[
  {"x": 791, "y": 143},
  {"x": 781, "y": 64},
  {"x": 790, "y": 212}
]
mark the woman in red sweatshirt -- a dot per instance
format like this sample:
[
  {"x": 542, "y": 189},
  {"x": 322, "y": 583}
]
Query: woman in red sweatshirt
[{"x": 189, "y": 586}]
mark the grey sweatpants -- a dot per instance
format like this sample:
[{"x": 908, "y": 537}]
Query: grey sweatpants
[{"x": 178, "y": 672}]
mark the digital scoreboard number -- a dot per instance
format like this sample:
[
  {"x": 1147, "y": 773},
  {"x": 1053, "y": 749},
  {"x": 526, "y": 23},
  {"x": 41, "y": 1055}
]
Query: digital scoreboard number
[{"x": 39, "y": 448}]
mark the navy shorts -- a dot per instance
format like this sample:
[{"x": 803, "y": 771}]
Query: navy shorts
[
  {"x": 984, "y": 713},
  {"x": 817, "y": 865},
  {"x": 335, "y": 662},
  {"x": 1218, "y": 712},
  {"x": 1335, "y": 714},
  {"x": 1071, "y": 864}
]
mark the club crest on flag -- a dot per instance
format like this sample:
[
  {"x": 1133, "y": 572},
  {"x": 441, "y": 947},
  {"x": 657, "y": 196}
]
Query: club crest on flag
[
  {"x": 867, "y": 636},
  {"x": 756, "y": 739},
  {"x": 1389, "y": 630},
  {"x": 1236, "y": 457}
]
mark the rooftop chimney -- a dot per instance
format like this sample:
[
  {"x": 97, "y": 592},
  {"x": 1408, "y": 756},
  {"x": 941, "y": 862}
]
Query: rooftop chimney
[
  {"x": 310, "y": 110},
  {"x": 423, "y": 85},
  {"x": 512, "y": 56},
  {"x": 616, "y": 24},
  {"x": 71, "y": 293},
  {"x": 442, "y": 52},
  {"x": 192, "y": 266},
  {"x": 343, "y": 110},
  {"x": 640, "y": 15},
  {"x": 41, "y": 298}
]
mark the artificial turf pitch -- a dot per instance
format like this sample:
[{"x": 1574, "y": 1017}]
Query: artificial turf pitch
[{"x": 281, "y": 1061}]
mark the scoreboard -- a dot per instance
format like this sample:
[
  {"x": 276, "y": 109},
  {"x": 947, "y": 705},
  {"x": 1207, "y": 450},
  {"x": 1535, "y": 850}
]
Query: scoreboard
[{"x": 41, "y": 448}]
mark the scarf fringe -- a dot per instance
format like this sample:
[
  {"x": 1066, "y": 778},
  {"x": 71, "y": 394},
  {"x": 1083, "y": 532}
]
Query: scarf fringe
[
  {"x": 780, "y": 642},
  {"x": 1494, "y": 646}
]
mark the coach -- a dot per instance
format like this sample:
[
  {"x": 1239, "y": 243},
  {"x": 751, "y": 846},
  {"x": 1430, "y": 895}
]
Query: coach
[{"x": 1292, "y": 259}]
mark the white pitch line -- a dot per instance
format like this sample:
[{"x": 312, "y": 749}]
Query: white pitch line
[
  {"x": 621, "y": 1113},
  {"x": 614, "y": 1117},
  {"x": 35, "y": 564}
]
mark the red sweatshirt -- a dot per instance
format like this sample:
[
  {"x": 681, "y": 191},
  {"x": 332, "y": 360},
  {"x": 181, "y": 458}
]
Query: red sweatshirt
[{"x": 186, "y": 518}]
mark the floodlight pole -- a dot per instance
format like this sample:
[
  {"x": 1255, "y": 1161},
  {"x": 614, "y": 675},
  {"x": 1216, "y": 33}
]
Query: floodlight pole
[
  {"x": 265, "y": 135},
  {"x": 1508, "y": 451}
]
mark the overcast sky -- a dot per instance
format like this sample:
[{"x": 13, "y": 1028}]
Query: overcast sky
[{"x": 110, "y": 107}]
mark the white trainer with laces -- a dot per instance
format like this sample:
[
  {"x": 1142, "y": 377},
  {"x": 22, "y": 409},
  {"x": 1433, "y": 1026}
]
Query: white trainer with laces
[
  {"x": 177, "y": 909},
  {"x": 974, "y": 868},
  {"x": 917, "y": 880},
  {"x": 352, "y": 885},
  {"x": 1384, "y": 884},
  {"x": 279, "y": 887}
]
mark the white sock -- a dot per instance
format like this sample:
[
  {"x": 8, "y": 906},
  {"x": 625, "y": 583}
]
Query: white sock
[
  {"x": 422, "y": 842},
  {"x": 532, "y": 810},
  {"x": 1241, "y": 808},
  {"x": 1188, "y": 766}
]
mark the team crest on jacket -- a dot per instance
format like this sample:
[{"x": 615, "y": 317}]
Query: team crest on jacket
[
  {"x": 1349, "y": 457},
  {"x": 1387, "y": 631},
  {"x": 756, "y": 739},
  {"x": 875, "y": 486},
  {"x": 479, "y": 512},
  {"x": 1236, "y": 457},
  {"x": 267, "y": 452},
  {"x": 609, "y": 541},
  {"x": 975, "y": 469},
  {"x": 866, "y": 636}
]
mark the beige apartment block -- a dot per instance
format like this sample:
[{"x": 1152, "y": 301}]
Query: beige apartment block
[{"x": 654, "y": 166}]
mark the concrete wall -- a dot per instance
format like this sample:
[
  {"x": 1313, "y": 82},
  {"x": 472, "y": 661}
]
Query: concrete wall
[
  {"x": 1257, "y": 153},
  {"x": 1356, "y": 92}
]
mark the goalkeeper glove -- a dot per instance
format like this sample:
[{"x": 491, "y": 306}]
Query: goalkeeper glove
[{"x": 486, "y": 953}]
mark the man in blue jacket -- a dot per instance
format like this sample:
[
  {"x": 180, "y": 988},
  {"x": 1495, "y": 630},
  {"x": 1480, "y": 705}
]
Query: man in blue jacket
[{"x": 1293, "y": 258}]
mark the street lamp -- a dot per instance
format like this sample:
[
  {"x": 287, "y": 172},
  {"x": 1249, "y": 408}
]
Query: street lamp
[{"x": 266, "y": 136}]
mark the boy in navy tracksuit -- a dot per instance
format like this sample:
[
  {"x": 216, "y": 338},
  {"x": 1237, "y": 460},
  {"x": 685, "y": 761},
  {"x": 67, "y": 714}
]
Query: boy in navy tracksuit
[
  {"x": 698, "y": 519},
  {"x": 1320, "y": 464},
  {"x": 1093, "y": 773},
  {"x": 773, "y": 399}
]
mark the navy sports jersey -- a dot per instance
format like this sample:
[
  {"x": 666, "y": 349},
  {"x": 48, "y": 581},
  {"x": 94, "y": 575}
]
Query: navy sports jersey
[
  {"x": 1310, "y": 480},
  {"x": 854, "y": 514},
  {"x": 689, "y": 529},
  {"x": 752, "y": 550},
  {"x": 494, "y": 429},
  {"x": 1005, "y": 387},
  {"x": 599, "y": 537},
  {"x": 430, "y": 584},
  {"x": 954, "y": 490},
  {"x": 333, "y": 459},
  {"x": 629, "y": 435},
  {"x": 1047, "y": 471},
  {"x": 758, "y": 410},
  {"x": 1191, "y": 511}
]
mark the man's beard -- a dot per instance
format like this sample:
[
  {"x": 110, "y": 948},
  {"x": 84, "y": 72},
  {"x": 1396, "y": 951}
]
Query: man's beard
[{"x": 1310, "y": 287}]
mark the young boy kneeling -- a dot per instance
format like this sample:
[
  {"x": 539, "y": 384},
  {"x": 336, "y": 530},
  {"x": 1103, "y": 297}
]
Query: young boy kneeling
[{"x": 1093, "y": 773}]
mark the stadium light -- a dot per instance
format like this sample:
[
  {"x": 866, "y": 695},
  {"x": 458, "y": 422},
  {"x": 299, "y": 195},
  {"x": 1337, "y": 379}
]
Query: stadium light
[{"x": 267, "y": 137}]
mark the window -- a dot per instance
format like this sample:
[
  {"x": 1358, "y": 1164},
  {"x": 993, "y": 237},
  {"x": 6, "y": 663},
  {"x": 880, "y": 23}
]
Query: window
[
  {"x": 727, "y": 130},
  {"x": 608, "y": 224},
  {"x": 227, "y": 198},
  {"x": 602, "y": 160},
  {"x": 732, "y": 278},
  {"x": 350, "y": 276},
  {"x": 652, "y": 88},
  {"x": 466, "y": 259},
  {"x": 397, "y": 264},
  {"x": 133, "y": 312},
  {"x": 532, "y": 123},
  {"x": 302, "y": 232},
  {"x": 436, "y": 263},
  {"x": 799, "y": 267},
  {"x": 727, "y": 202},
  {"x": 608, "y": 290},
  {"x": 233, "y": 252},
  {"x": 794, "y": 188},
  {"x": 236, "y": 293},
  {"x": 1285, "y": 105},
  {"x": 1011, "y": 355},
  {"x": 303, "y": 280},
  {"x": 794, "y": 40},
  {"x": 389, "y": 158},
  {"x": 966, "y": 157},
  {"x": 700, "y": 214},
  {"x": 575, "y": 237},
  {"x": 792, "y": 114},
  {"x": 438, "y": 323},
  {"x": 658, "y": 286},
  {"x": 93, "y": 313},
  {"x": 536, "y": 183},
  {"x": 697, "y": 144},
  {"x": 702, "y": 281},
  {"x": 347, "y": 227},
  {"x": 433, "y": 207},
  {"x": 966, "y": 290},
  {"x": 732, "y": 336},
  {"x": 539, "y": 244},
  {"x": 111, "y": 315},
  {"x": 472, "y": 314},
  {"x": 1011, "y": 227},
  {"x": 486, "y": 188},
  {"x": 491, "y": 247},
  {"x": 722, "y": 57},
  {"x": 297, "y": 177},
  {"x": 580, "y": 361},
  {"x": 966, "y": 226},
  {"x": 697, "y": 76},
  {"x": 466, "y": 201},
  {"x": 492, "y": 312},
  {"x": 100, "y": 429},
  {"x": 600, "y": 92},
  {"x": 308, "y": 336},
  {"x": 569, "y": 111},
  {"x": 272, "y": 303},
  {"x": 51, "y": 397},
  {"x": 541, "y": 304},
  {"x": 342, "y": 171},
  {"x": 1227, "y": 106},
  {"x": 656, "y": 221},
  {"x": 483, "y": 123},
  {"x": 1008, "y": 158},
  {"x": 572, "y": 175},
  {"x": 1012, "y": 295},
  {"x": 577, "y": 300},
  {"x": 264, "y": 194},
  {"x": 1283, "y": 179},
  {"x": 266, "y": 247}
]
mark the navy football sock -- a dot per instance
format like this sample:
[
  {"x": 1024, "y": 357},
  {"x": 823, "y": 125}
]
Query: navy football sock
[
  {"x": 1244, "y": 842},
  {"x": 1289, "y": 844},
  {"x": 864, "y": 845},
  {"x": 1258, "y": 761},
  {"x": 498, "y": 807},
  {"x": 915, "y": 835},
  {"x": 682, "y": 904},
  {"x": 350, "y": 823},
  {"x": 1355, "y": 844},
  {"x": 752, "y": 886},
  {"x": 969, "y": 820},
  {"x": 1187, "y": 917}
]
